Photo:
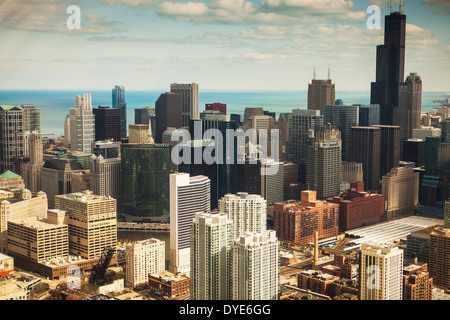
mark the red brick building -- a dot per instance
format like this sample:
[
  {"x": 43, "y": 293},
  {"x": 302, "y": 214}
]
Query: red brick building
[
  {"x": 297, "y": 221},
  {"x": 173, "y": 286},
  {"x": 359, "y": 208},
  {"x": 221, "y": 107}
]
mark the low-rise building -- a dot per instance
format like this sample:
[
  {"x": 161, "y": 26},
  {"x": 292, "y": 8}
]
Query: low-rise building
[{"x": 169, "y": 285}]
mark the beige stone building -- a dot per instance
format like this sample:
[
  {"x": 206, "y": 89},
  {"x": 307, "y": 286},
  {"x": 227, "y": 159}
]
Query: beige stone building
[
  {"x": 439, "y": 253},
  {"x": 143, "y": 258},
  {"x": 400, "y": 188},
  {"x": 31, "y": 170},
  {"x": 92, "y": 223},
  {"x": 140, "y": 133},
  {"x": 19, "y": 204},
  {"x": 38, "y": 239},
  {"x": 10, "y": 180}
]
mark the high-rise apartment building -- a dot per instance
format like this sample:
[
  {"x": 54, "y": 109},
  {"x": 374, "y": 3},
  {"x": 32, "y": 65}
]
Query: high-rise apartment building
[
  {"x": 31, "y": 171},
  {"x": 247, "y": 211},
  {"x": 188, "y": 196},
  {"x": 168, "y": 113},
  {"x": 324, "y": 157},
  {"x": 447, "y": 212},
  {"x": 400, "y": 188},
  {"x": 365, "y": 149},
  {"x": 297, "y": 221},
  {"x": 82, "y": 124},
  {"x": 145, "y": 181},
  {"x": 343, "y": 117},
  {"x": 118, "y": 102},
  {"x": 92, "y": 223},
  {"x": 143, "y": 258},
  {"x": 255, "y": 267},
  {"x": 381, "y": 272},
  {"x": 189, "y": 101},
  {"x": 440, "y": 257},
  {"x": 417, "y": 283},
  {"x": 107, "y": 123},
  {"x": 211, "y": 240},
  {"x": 301, "y": 125},
  {"x": 320, "y": 93}
]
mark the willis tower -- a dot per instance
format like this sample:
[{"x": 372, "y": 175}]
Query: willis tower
[{"x": 399, "y": 100}]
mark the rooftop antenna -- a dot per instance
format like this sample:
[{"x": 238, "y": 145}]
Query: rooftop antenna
[
  {"x": 314, "y": 73},
  {"x": 390, "y": 6},
  {"x": 329, "y": 73},
  {"x": 400, "y": 6}
]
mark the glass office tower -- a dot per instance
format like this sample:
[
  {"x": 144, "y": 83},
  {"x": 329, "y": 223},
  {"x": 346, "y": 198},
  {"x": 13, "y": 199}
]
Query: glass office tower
[{"x": 145, "y": 182}]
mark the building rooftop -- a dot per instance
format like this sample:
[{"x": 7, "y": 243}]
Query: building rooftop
[
  {"x": 8, "y": 175},
  {"x": 35, "y": 223},
  {"x": 166, "y": 276}
]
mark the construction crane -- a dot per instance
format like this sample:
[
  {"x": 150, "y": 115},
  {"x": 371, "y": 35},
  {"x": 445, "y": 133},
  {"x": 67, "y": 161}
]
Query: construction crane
[{"x": 99, "y": 270}]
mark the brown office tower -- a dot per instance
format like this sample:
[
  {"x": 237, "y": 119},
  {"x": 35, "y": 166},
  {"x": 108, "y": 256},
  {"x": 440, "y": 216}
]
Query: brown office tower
[
  {"x": 413, "y": 84},
  {"x": 417, "y": 283},
  {"x": 440, "y": 257},
  {"x": 189, "y": 101},
  {"x": 297, "y": 221},
  {"x": 365, "y": 149},
  {"x": 359, "y": 208},
  {"x": 168, "y": 111},
  {"x": 107, "y": 123},
  {"x": 320, "y": 93},
  {"x": 389, "y": 148}
]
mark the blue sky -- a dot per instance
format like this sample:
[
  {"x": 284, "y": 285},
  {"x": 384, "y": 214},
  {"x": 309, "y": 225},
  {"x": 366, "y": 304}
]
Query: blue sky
[{"x": 220, "y": 44}]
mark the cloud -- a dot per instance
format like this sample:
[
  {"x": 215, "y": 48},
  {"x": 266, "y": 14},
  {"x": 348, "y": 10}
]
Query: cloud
[
  {"x": 420, "y": 38},
  {"x": 278, "y": 12},
  {"x": 132, "y": 3},
  {"x": 49, "y": 16}
]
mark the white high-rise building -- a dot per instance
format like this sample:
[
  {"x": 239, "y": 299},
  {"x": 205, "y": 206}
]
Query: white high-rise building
[
  {"x": 255, "y": 267},
  {"x": 248, "y": 212},
  {"x": 143, "y": 258},
  {"x": 188, "y": 196},
  {"x": 82, "y": 124},
  {"x": 381, "y": 272},
  {"x": 211, "y": 239}
]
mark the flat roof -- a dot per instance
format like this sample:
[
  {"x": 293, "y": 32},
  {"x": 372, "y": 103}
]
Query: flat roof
[{"x": 391, "y": 231}]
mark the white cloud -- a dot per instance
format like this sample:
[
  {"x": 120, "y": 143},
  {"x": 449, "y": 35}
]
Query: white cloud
[{"x": 278, "y": 12}]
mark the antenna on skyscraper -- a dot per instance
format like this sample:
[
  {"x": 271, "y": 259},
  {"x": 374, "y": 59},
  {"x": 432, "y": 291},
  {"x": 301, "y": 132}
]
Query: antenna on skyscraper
[
  {"x": 400, "y": 7},
  {"x": 314, "y": 73},
  {"x": 390, "y": 6},
  {"x": 329, "y": 73}
]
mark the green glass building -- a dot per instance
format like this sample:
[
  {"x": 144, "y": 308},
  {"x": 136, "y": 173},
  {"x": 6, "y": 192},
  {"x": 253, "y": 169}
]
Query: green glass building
[{"x": 145, "y": 182}]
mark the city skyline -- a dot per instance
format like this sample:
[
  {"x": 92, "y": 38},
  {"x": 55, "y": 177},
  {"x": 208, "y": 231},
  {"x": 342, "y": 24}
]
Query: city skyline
[{"x": 229, "y": 45}]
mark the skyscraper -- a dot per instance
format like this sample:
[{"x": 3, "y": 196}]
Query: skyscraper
[
  {"x": 211, "y": 239},
  {"x": 168, "y": 113},
  {"x": 145, "y": 181},
  {"x": 255, "y": 267},
  {"x": 107, "y": 123},
  {"x": 248, "y": 212},
  {"x": 381, "y": 272},
  {"x": 82, "y": 124},
  {"x": 320, "y": 93},
  {"x": 31, "y": 170},
  {"x": 118, "y": 102},
  {"x": 440, "y": 256},
  {"x": 343, "y": 117},
  {"x": 188, "y": 196},
  {"x": 145, "y": 116},
  {"x": 324, "y": 157},
  {"x": 13, "y": 121},
  {"x": 365, "y": 149},
  {"x": 301, "y": 125},
  {"x": 189, "y": 101},
  {"x": 390, "y": 148}
]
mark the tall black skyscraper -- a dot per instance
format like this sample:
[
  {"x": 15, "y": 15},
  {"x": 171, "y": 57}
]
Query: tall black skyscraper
[{"x": 390, "y": 68}]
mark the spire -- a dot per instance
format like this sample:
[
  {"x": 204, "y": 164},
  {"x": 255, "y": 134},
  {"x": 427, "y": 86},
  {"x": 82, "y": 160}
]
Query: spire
[
  {"x": 329, "y": 77},
  {"x": 390, "y": 6},
  {"x": 400, "y": 9},
  {"x": 314, "y": 73}
]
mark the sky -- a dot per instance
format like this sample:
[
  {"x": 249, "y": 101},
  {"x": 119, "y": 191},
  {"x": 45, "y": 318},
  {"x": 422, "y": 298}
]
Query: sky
[{"x": 219, "y": 44}]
